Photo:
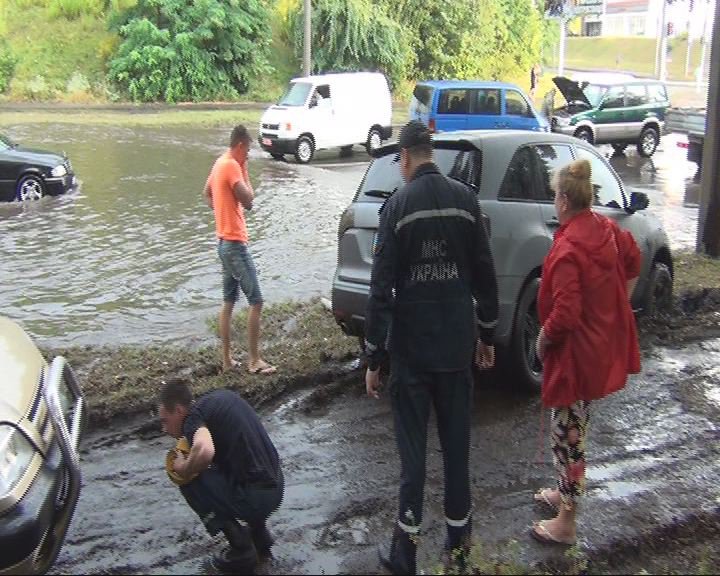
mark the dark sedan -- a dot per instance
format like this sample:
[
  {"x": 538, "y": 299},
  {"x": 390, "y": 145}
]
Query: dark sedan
[{"x": 27, "y": 174}]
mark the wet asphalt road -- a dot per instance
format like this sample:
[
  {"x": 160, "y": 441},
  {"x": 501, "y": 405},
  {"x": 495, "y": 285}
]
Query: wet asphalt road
[
  {"x": 131, "y": 257},
  {"x": 653, "y": 464}
]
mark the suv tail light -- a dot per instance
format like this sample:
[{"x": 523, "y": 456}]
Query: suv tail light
[
  {"x": 431, "y": 124},
  {"x": 347, "y": 221}
]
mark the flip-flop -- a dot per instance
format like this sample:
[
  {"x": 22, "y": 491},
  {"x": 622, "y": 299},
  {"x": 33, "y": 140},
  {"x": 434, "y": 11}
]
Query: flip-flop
[
  {"x": 544, "y": 536},
  {"x": 266, "y": 369},
  {"x": 541, "y": 497}
]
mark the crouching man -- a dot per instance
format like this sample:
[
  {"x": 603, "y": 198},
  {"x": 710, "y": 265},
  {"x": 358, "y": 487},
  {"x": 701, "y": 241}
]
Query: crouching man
[{"x": 229, "y": 471}]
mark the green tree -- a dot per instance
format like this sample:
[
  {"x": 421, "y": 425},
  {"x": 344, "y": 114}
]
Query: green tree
[
  {"x": 354, "y": 35},
  {"x": 175, "y": 50}
]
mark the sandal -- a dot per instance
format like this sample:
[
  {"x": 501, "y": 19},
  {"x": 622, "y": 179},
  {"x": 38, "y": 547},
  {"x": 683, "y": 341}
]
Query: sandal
[
  {"x": 542, "y": 497},
  {"x": 544, "y": 536}
]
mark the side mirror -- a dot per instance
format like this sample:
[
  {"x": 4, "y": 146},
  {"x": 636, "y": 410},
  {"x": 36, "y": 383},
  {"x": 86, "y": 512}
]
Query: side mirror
[{"x": 638, "y": 201}]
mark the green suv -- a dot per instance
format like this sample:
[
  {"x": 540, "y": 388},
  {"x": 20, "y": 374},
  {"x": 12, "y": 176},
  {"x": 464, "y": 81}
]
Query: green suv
[{"x": 617, "y": 111}]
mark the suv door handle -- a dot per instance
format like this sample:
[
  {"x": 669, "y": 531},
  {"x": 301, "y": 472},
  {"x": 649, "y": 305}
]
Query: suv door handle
[{"x": 552, "y": 222}]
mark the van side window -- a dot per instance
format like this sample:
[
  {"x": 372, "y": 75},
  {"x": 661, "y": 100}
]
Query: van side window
[
  {"x": 636, "y": 95},
  {"x": 614, "y": 97},
  {"x": 657, "y": 93},
  {"x": 487, "y": 102},
  {"x": 453, "y": 102},
  {"x": 606, "y": 186},
  {"x": 519, "y": 181},
  {"x": 551, "y": 157},
  {"x": 515, "y": 104}
]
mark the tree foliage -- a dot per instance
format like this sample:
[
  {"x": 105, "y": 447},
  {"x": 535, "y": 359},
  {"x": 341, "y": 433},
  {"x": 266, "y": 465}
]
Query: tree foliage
[
  {"x": 354, "y": 35},
  {"x": 175, "y": 50}
]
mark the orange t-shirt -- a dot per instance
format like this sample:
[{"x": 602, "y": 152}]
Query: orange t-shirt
[{"x": 229, "y": 213}]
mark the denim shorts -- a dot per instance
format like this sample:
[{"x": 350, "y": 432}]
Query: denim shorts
[{"x": 238, "y": 272}]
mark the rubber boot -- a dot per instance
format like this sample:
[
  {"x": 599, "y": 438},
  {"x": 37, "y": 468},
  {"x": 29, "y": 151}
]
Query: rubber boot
[
  {"x": 457, "y": 548},
  {"x": 241, "y": 557},
  {"x": 262, "y": 539},
  {"x": 400, "y": 556}
]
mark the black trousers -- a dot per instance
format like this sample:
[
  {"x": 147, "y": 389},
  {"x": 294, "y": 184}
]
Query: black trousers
[
  {"x": 413, "y": 393},
  {"x": 216, "y": 500}
]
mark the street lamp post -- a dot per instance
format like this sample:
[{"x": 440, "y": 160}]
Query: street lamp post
[{"x": 307, "y": 39}]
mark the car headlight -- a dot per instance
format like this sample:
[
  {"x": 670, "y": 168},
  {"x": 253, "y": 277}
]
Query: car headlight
[
  {"x": 58, "y": 171},
  {"x": 16, "y": 453}
]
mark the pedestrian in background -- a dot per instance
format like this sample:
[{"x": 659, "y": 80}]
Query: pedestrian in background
[
  {"x": 588, "y": 342},
  {"x": 229, "y": 193},
  {"x": 432, "y": 258},
  {"x": 535, "y": 73}
]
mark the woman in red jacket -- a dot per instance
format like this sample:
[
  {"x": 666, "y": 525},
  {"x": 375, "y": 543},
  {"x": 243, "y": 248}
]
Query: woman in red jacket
[{"x": 588, "y": 341}]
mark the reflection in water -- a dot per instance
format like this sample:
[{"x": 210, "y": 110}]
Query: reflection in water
[
  {"x": 667, "y": 180},
  {"x": 131, "y": 257}
]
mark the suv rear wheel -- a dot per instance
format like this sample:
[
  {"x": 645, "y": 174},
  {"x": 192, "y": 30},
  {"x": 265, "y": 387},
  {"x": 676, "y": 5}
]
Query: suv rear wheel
[
  {"x": 526, "y": 328},
  {"x": 584, "y": 134},
  {"x": 648, "y": 143}
]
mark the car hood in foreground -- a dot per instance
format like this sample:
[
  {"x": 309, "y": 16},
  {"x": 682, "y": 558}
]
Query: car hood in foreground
[{"x": 22, "y": 365}]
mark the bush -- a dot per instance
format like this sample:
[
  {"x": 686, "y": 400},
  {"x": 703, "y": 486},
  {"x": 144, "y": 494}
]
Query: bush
[
  {"x": 7, "y": 66},
  {"x": 175, "y": 50},
  {"x": 78, "y": 83},
  {"x": 37, "y": 88}
]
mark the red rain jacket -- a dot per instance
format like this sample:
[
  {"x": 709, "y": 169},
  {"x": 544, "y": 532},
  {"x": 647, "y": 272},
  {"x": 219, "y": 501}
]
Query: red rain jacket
[{"x": 584, "y": 309}]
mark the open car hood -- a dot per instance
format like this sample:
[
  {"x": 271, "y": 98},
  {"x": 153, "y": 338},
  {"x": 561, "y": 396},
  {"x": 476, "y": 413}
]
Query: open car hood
[{"x": 571, "y": 90}]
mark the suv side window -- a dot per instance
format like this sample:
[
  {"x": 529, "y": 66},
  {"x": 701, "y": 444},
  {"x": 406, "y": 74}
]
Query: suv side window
[
  {"x": 657, "y": 93},
  {"x": 487, "y": 102},
  {"x": 519, "y": 182},
  {"x": 614, "y": 97},
  {"x": 551, "y": 157},
  {"x": 453, "y": 102},
  {"x": 636, "y": 95},
  {"x": 515, "y": 104},
  {"x": 608, "y": 191}
]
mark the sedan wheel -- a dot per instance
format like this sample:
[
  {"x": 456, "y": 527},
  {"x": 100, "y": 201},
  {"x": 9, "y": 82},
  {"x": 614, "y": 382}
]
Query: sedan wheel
[
  {"x": 30, "y": 188},
  {"x": 527, "y": 366}
]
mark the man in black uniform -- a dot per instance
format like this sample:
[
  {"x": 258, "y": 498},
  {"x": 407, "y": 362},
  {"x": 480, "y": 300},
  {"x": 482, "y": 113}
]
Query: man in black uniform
[
  {"x": 432, "y": 258},
  {"x": 231, "y": 477}
]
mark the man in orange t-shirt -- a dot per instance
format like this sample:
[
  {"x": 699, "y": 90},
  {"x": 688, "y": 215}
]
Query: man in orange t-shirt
[{"x": 229, "y": 193}]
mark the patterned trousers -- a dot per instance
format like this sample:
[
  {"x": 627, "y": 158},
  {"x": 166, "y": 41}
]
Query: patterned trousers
[{"x": 569, "y": 430}]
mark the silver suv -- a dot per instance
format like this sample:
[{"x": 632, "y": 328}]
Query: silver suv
[{"x": 510, "y": 172}]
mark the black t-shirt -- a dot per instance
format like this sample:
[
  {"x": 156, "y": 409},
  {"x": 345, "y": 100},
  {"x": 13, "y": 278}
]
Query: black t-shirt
[{"x": 243, "y": 450}]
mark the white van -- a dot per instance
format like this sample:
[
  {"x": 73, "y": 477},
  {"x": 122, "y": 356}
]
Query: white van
[{"x": 328, "y": 111}]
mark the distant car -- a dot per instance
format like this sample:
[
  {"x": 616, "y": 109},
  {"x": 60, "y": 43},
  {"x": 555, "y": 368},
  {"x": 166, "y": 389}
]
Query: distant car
[
  {"x": 41, "y": 420},
  {"x": 27, "y": 174},
  {"x": 615, "y": 110},
  {"x": 511, "y": 173},
  {"x": 447, "y": 105}
]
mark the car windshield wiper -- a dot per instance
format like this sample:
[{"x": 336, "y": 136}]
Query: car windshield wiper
[{"x": 380, "y": 193}]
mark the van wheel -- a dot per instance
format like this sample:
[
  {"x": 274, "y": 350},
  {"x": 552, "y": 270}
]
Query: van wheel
[
  {"x": 374, "y": 140},
  {"x": 527, "y": 366},
  {"x": 304, "y": 150},
  {"x": 648, "y": 143},
  {"x": 585, "y": 134},
  {"x": 658, "y": 295}
]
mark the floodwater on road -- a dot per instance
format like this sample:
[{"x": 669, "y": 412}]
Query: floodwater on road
[{"x": 131, "y": 257}]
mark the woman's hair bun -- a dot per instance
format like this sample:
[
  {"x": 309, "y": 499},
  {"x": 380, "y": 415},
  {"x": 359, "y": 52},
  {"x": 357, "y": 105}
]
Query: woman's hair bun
[{"x": 580, "y": 169}]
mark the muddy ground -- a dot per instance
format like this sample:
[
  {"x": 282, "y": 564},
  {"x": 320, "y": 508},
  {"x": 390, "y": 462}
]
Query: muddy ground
[{"x": 653, "y": 498}]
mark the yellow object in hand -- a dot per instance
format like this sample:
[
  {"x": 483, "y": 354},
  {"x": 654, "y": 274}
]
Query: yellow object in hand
[{"x": 182, "y": 446}]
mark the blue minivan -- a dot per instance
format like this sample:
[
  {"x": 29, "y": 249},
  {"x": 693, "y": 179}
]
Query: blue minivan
[{"x": 447, "y": 105}]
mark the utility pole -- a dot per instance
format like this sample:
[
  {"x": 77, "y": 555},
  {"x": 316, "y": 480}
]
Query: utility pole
[
  {"x": 708, "y": 240},
  {"x": 307, "y": 39},
  {"x": 663, "y": 42}
]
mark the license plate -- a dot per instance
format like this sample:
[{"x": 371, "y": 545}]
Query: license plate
[{"x": 267, "y": 141}]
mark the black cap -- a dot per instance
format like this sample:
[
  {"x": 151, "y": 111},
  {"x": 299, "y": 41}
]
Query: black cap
[{"x": 414, "y": 133}]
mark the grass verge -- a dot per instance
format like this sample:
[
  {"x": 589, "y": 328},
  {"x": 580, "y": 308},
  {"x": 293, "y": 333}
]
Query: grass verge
[{"x": 301, "y": 339}]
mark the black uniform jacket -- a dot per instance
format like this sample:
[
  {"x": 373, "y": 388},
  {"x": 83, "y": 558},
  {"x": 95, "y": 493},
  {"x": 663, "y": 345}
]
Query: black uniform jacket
[{"x": 432, "y": 258}]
